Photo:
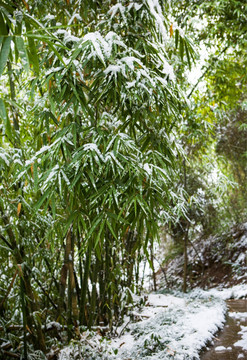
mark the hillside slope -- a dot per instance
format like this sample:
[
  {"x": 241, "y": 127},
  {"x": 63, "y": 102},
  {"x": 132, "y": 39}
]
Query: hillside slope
[{"x": 216, "y": 260}]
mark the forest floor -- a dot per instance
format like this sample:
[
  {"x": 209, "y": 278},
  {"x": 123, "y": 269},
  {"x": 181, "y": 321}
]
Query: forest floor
[{"x": 169, "y": 324}]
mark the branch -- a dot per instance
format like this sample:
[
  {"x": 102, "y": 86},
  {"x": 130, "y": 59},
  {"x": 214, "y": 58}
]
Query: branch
[
  {"x": 11, "y": 354},
  {"x": 42, "y": 288},
  {"x": 6, "y": 241}
]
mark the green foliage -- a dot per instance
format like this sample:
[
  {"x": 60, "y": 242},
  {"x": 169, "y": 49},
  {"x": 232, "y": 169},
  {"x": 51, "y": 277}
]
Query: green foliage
[
  {"x": 98, "y": 148},
  {"x": 88, "y": 154}
]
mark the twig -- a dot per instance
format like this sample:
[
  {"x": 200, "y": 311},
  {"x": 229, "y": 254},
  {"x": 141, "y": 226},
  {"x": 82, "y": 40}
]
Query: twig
[
  {"x": 11, "y": 327},
  {"x": 10, "y": 354},
  {"x": 6, "y": 241}
]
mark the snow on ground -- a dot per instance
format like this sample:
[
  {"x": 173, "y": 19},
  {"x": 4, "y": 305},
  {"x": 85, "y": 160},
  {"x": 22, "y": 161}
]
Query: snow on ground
[
  {"x": 235, "y": 292},
  {"x": 178, "y": 327},
  {"x": 238, "y": 315},
  {"x": 220, "y": 348},
  {"x": 243, "y": 341},
  {"x": 169, "y": 326}
]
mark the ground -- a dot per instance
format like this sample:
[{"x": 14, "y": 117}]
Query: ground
[
  {"x": 216, "y": 261},
  {"x": 169, "y": 324}
]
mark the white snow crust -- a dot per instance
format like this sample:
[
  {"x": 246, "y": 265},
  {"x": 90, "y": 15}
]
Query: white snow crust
[
  {"x": 172, "y": 325},
  {"x": 178, "y": 325},
  {"x": 243, "y": 341}
]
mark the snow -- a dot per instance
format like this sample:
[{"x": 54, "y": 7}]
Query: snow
[
  {"x": 165, "y": 300},
  {"x": 156, "y": 11},
  {"x": 169, "y": 324},
  {"x": 114, "y": 69},
  {"x": 130, "y": 84},
  {"x": 52, "y": 173},
  {"x": 41, "y": 151},
  {"x": 3, "y": 156},
  {"x": 54, "y": 325},
  {"x": 238, "y": 315},
  {"x": 167, "y": 68},
  {"x": 97, "y": 41},
  {"x": 178, "y": 324},
  {"x": 121, "y": 9},
  {"x": 53, "y": 70},
  {"x": 136, "y": 6},
  {"x": 129, "y": 62},
  {"x": 243, "y": 342},
  {"x": 68, "y": 37},
  {"x": 148, "y": 169},
  {"x": 93, "y": 147},
  {"x": 118, "y": 8},
  {"x": 241, "y": 356},
  {"x": 220, "y": 348},
  {"x": 49, "y": 17},
  {"x": 74, "y": 16},
  {"x": 235, "y": 292}
]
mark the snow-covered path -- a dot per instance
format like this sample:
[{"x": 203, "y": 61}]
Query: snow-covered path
[
  {"x": 232, "y": 341},
  {"x": 170, "y": 326}
]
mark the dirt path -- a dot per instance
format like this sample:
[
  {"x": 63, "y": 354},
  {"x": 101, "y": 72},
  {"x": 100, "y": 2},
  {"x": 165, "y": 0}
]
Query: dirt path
[{"x": 231, "y": 343}]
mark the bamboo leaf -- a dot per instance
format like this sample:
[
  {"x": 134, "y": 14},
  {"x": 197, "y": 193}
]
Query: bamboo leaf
[
  {"x": 53, "y": 206},
  {"x": 5, "y": 118},
  {"x": 70, "y": 221},
  {"x": 3, "y": 29},
  {"x": 111, "y": 229},
  {"x": 4, "y": 55},
  {"x": 94, "y": 225},
  {"x": 99, "y": 233},
  {"x": 35, "y": 176},
  {"x": 42, "y": 199},
  {"x": 181, "y": 48},
  {"x": 176, "y": 38},
  {"x": 187, "y": 55},
  {"x": 18, "y": 209},
  {"x": 32, "y": 51},
  {"x": 22, "y": 52}
]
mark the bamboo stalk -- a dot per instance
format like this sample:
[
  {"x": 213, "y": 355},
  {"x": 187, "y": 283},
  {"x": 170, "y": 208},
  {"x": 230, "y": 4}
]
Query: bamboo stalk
[
  {"x": 92, "y": 317},
  {"x": 82, "y": 315},
  {"x": 24, "y": 314},
  {"x": 30, "y": 304},
  {"x": 185, "y": 261},
  {"x": 108, "y": 279},
  {"x": 72, "y": 296}
]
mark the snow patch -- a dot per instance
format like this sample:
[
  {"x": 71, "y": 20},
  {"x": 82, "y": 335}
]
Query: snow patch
[
  {"x": 238, "y": 315},
  {"x": 220, "y": 348},
  {"x": 243, "y": 342},
  {"x": 235, "y": 292}
]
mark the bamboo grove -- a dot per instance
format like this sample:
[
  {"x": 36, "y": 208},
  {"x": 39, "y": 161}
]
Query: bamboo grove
[
  {"x": 87, "y": 157},
  {"x": 93, "y": 142}
]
